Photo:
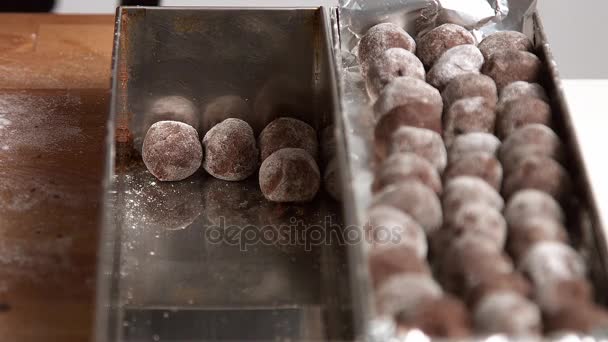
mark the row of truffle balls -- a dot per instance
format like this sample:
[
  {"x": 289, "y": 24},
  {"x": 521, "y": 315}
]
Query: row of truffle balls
[
  {"x": 468, "y": 237},
  {"x": 286, "y": 153}
]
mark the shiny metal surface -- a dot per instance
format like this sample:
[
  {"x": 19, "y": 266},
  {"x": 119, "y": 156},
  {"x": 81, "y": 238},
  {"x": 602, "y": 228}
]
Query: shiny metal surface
[{"x": 164, "y": 273}]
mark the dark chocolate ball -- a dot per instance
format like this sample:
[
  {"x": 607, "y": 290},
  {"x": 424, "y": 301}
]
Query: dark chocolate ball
[
  {"x": 445, "y": 317},
  {"x": 420, "y": 141},
  {"x": 532, "y": 139},
  {"x": 468, "y": 115},
  {"x": 480, "y": 164},
  {"x": 417, "y": 115},
  {"x": 405, "y": 90},
  {"x": 401, "y": 167},
  {"x": 521, "y": 112},
  {"x": 390, "y": 227},
  {"x": 457, "y": 61},
  {"x": 549, "y": 262},
  {"x": 540, "y": 173},
  {"x": 470, "y": 143},
  {"x": 290, "y": 175},
  {"x": 512, "y": 282},
  {"x": 386, "y": 262},
  {"x": 440, "y": 39},
  {"x": 564, "y": 294},
  {"x": 529, "y": 203},
  {"x": 463, "y": 190},
  {"x": 381, "y": 38},
  {"x": 172, "y": 151},
  {"x": 391, "y": 64},
  {"x": 509, "y": 313},
  {"x": 518, "y": 89},
  {"x": 405, "y": 294},
  {"x": 415, "y": 199},
  {"x": 480, "y": 220},
  {"x": 531, "y": 230},
  {"x": 230, "y": 150},
  {"x": 288, "y": 132},
  {"x": 582, "y": 318},
  {"x": 503, "y": 41},
  {"x": 469, "y": 85},
  {"x": 512, "y": 65}
]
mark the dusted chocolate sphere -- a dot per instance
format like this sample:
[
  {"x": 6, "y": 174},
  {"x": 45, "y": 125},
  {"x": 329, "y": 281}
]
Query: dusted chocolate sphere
[
  {"x": 391, "y": 64},
  {"x": 406, "y": 90},
  {"x": 507, "y": 313},
  {"x": 466, "y": 189},
  {"x": 532, "y": 139},
  {"x": 230, "y": 150},
  {"x": 531, "y": 230},
  {"x": 172, "y": 151},
  {"x": 512, "y": 282},
  {"x": 381, "y": 38},
  {"x": 402, "y": 167},
  {"x": 585, "y": 318},
  {"x": 386, "y": 262},
  {"x": 479, "y": 220},
  {"x": 415, "y": 199},
  {"x": 529, "y": 203},
  {"x": 471, "y": 114},
  {"x": 516, "y": 90},
  {"x": 405, "y": 294},
  {"x": 445, "y": 317},
  {"x": 469, "y": 85},
  {"x": 480, "y": 164},
  {"x": 440, "y": 39},
  {"x": 457, "y": 61},
  {"x": 503, "y": 41},
  {"x": 288, "y": 132},
  {"x": 540, "y": 173},
  {"x": 225, "y": 107},
  {"x": 512, "y": 65},
  {"x": 390, "y": 227},
  {"x": 564, "y": 294},
  {"x": 332, "y": 181},
  {"x": 401, "y": 131},
  {"x": 471, "y": 143},
  {"x": 290, "y": 175},
  {"x": 521, "y": 112}
]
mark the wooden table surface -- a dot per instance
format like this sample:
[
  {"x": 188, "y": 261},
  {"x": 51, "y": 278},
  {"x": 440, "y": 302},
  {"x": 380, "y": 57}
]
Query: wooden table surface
[{"x": 54, "y": 91}]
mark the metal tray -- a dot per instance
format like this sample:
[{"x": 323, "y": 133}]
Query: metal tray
[{"x": 162, "y": 273}]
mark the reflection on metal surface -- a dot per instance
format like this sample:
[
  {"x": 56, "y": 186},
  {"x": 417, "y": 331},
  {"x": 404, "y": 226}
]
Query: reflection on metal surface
[{"x": 189, "y": 260}]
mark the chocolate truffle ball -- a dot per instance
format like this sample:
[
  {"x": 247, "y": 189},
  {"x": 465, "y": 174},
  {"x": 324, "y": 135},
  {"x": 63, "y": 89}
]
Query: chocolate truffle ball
[
  {"x": 549, "y": 262},
  {"x": 457, "y": 61},
  {"x": 440, "y": 39},
  {"x": 467, "y": 261},
  {"x": 445, "y": 317},
  {"x": 404, "y": 294},
  {"x": 391, "y": 64},
  {"x": 288, "y": 132},
  {"x": 507, "y": 313},
  {"x": 172, "y": 151},
  {"x": 471, "y": 114},
  {"x": 466, "y": 189},
  {"x": 386, "y": 262},
  {"x": 531, "y": 230},
  {"x": 564, "y": 294},
  {"x": 521, "y": 112},
  {"x": 512, "y": 282},
  {"x": 528, "y": 203},
  {"x": 583, "y": 318},
  {"x": 390, "y": 227},
  {"x": 401, "y": 167},
  {"x": 540, "y": 173},
  {"x": 470, "y": 143},
  {"x": 480, "y": 164},
  {"x": 420, "y": 141},
  {"x": 224, "y": 107},
  {"x": 405, "y": 90},
  {"x": 381, "y": 38},
  {"x": 512, "y": 65},
  {"x": 503, "y": 41},
  {"x": 415, "y": 199},
  {"x": 290, "y": 175},
  {"x": 331, "y": 180},
  {"x": 469, "y": 85},
  {"x": 479, "y": 220},
  {"x": 230, "y": 150},
  {"x": 516, "y": 90},
  {"x": 533, "y": 139}
]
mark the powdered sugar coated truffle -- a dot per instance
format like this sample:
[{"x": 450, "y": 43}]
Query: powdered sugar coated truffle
[
  {"x": 540, "y": 173},
  {"x": 288, "y": 132},
  {"x": 473, "y": 143},
  {"x": 422, "y": 142},
  {"x": 405, "y": 90},
  {"x": 507, "y": 313},
  {"x": 471, "y": 114},
  {"x": 518, "y": 89},
  {"x": 289, "y": 175},
  {"x": 480, "y": 164},
  {"x": 440, "y": 39},
  {"x": 457, "y": 61},
  {"x": 479, "y": 220},
  {"x": 504, "y": 40},
  {"x": 390, "y": 227},
  {"x": 529, "y": 203},
  {"x": 549, "y": 262},
  {"x": 381, "y": 38},
  {"x": 392, "y": 63},
  {"x": 392, "y": 299},
  {"x": 521, "y": 112},
  {"x": 466, "y": 189},
  {"x": 531, "y": 230},
  {"x": 401, "y": 167},
  {"x": 512, "y": 65},
  {"x": 469, "y": 85}
]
